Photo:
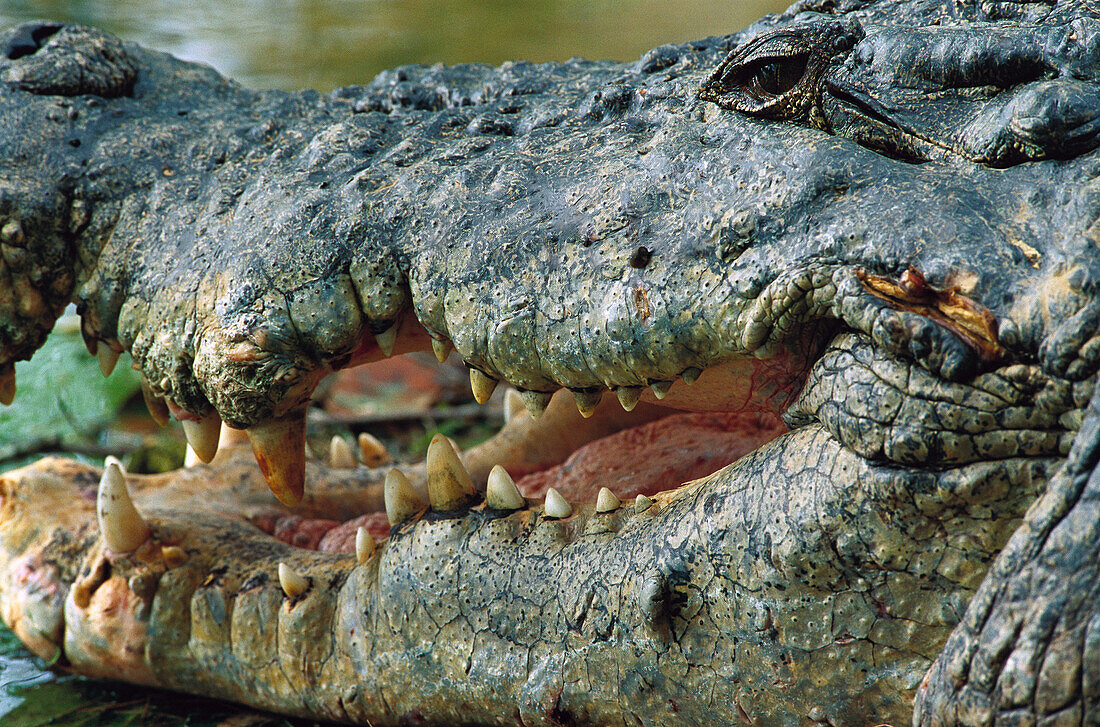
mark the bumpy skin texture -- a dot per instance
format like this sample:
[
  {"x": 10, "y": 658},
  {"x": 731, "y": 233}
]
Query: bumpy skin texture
[{"x": 909, "y": 225}]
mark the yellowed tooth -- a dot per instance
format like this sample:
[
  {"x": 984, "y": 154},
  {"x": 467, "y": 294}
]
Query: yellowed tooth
[
  {"x": 513, "y": 405},
  {"x": 280, "y": 449},
  {"x": 373, "y": 452},
  {"x": 120, "y": 523},
  {"x": 292, "y": 582},
  {"x": 660, "y": 388},
  {"x": 449, "y": 484},
  {"x": 339, "y": 454},
  {"x": 556, "y": 505},
  {"x": 691, "y": 375},
  {"x": 364, "y": 545},
  {"x": 203, "y": 435},
  {"x": 501, "y": 492},
  {"x": 628, "y": 396},
  {"x": 482, "y": 386},
  {"x": 607, "y": 501},
  {"x": 442, "y": 348},
  {"x": 107, "y": 356},
  {"x": 642, "y": 503},
  {"x": 174, "y": 556},
  {"x": 7, "y": 385},
  {"x": 230, "y": 436},
  {"x": 402, "y": 502},
  {"x": 158, "y": 410},
  {"x": 536, "y": 402},
  {"x": 387, "y": 339},
  {"x": 587, "y": 401},
  {"x": 113, "y": 460}
]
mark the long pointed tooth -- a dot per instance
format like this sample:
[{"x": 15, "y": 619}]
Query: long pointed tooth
[
  {"x": 691, "y": 375},
  {"x": 7, "y": 385},
  {"x": 364, "y": 545},
  {"x": 339, "y": 454},
  {"x": 442, "y": 348},
  {"x": 501, "y": 492},
  {"x": 107, "y": 356},
  {"x": 628, "y": 396},
  {"x": 373, "y": 452},
  {"x": 482, "y": 386},
  {"x": 113, "y": 460},
  {"x": 660, "y": 388},
  {"x": 158, "y": 410},
  {"x": 556, "y": 505},
  {"x": 386, "y": 340},
  {"x": 449, "y": 484},
  {"x": 293, "y": 583},
  {"x": 642, "y": 503},
  {"x": 513, "y": 405},
  {"x": 402, "y": 502},
  {"x": 607, "y": 501},
  {"x": 203, "y": 435},
  {"x": 280, "y": 449},
  {"x": 536, "y": 402},
  {"x": 121, "y": 524},
  {"x": 587, "y": 401}
]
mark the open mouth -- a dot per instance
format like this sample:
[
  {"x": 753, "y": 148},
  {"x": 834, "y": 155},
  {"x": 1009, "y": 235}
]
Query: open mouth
[{"x": 605, "y": 448}]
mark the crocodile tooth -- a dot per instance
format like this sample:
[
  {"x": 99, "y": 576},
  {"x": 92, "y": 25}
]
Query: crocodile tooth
[
  {"x": 442, "y": 348},
  {"x": 364, "y": 545},
  {"x": 113, "y": 460},
  {"x": 339, "y": 454},
  {"x": 607, "y": 501},
  {"x": 501, "y": 492},
  {"x": 628, "y": 396},
  {"x": 587, "y": 401},
  {"x": 173, "y": 555},
  {"x": 203, "y": 435},
  {"x": 7, "y": 385},
  {"x": 536, "y": 402},
  {"x": 482, "y": 386},
  {"x": 280, "y": 449},
  {"x": 292, "y": 582},
  {"x": 691, "y": 375},
  {"x": 373, "y": 452},
  {"x": 402, "y": 502},
  {"x": 660, "y": 388},
  {"x": 449, "y": 484},
  {"x": 190, "y": 459},
  {"x": 556, "y": 505},
  {"x": 386, "y": 340},
  {"x": 121, "y": 524},
  {"x": 513, "y": 405},
  {"x": 642, "y": 503},
  {"x": 158, "y": 410},
  {"x": 107, "y": 356}
]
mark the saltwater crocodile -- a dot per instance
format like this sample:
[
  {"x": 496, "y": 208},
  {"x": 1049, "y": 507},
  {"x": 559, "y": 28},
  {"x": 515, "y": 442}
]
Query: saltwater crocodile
[{"x": 875, "y": 219}]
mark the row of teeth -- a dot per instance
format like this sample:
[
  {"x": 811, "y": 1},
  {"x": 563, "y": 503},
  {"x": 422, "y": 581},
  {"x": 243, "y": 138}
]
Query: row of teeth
[
  {"x": 450, "y": 489},
  {"x": 279, "y": 445}
]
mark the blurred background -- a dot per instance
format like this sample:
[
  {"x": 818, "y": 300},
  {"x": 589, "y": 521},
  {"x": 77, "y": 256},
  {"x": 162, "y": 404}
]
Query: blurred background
[
  {"x": 322, "y": 44},
  {"x": 65, "y": 406}
]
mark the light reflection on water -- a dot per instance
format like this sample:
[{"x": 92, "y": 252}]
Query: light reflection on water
[{"x": 327, "y": 43}]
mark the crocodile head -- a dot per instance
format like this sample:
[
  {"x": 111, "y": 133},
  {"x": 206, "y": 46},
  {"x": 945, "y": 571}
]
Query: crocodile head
[{"x": 877, "y": 223}]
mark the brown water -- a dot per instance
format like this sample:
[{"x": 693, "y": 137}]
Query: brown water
[{"x": 327, "y": 43}]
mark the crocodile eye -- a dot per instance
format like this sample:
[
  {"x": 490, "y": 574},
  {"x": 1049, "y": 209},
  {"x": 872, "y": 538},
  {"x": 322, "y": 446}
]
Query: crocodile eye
[{"x": 773, "y": 77}]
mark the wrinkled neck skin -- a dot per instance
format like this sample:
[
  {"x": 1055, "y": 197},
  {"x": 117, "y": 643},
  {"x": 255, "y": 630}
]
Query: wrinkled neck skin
[{"x": 888, "y": 242}]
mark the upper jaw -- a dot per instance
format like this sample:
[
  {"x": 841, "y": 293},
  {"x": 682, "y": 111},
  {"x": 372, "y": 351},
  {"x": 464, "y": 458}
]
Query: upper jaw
[{"x": 243, "y": 245}]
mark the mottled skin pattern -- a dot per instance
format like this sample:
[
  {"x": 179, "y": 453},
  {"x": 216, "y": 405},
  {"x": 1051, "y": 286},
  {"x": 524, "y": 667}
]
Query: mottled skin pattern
[{"x": 892, "y": 201}]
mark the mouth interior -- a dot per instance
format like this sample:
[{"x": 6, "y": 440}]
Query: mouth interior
[{"x": 692, "y": 432}]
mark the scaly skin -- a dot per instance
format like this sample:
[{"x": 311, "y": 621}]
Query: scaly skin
[{"x": 895, "y": 247}]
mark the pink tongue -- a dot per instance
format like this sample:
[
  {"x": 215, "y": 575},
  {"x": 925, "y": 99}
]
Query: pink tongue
[
  {"x": 640, "y": 461},
  {"x": 657, "y": 456}
]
